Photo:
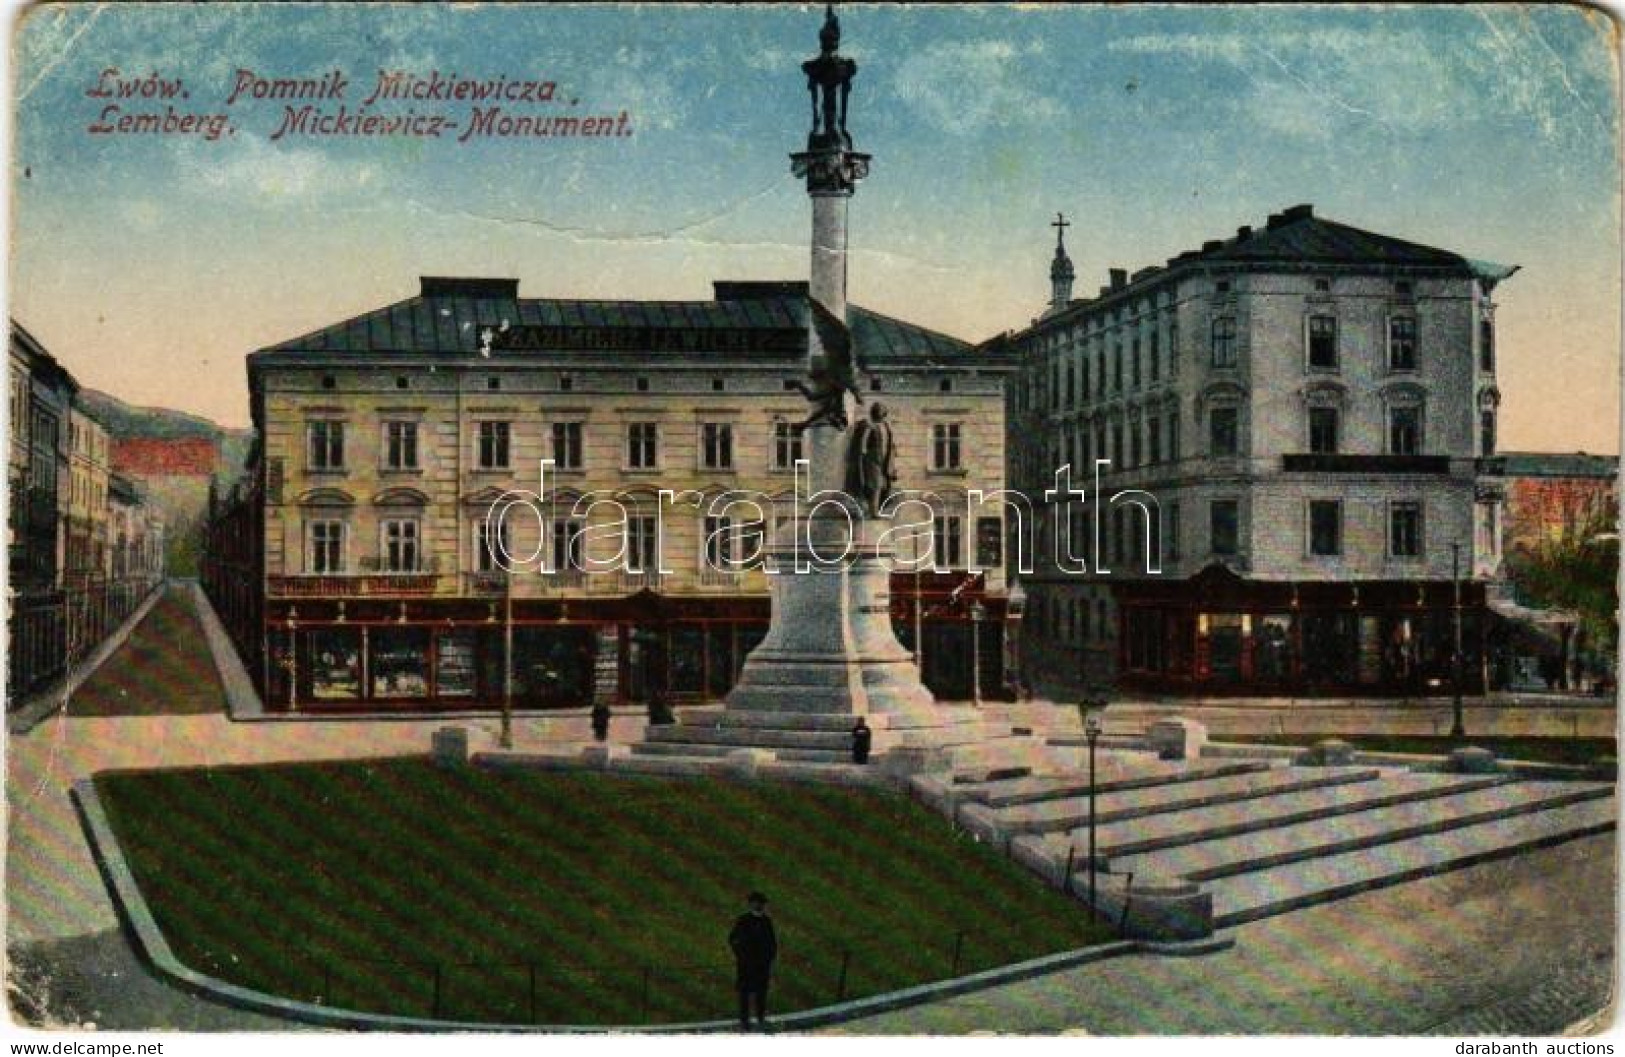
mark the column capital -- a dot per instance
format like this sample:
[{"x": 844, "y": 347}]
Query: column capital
[{"x": 830, "y": 172}]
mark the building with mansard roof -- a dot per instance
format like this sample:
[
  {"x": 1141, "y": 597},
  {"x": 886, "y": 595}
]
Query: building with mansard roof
[
  {"x": 1308, "y": 405},
  {"x": 357, "y": 565}
]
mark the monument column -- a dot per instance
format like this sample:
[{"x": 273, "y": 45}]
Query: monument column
[{"x": 830, "y": 647}]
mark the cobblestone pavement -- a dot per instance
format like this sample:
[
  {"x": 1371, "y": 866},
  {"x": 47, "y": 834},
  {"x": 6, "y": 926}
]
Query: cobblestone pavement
[{"x": 1521, "y": 945}]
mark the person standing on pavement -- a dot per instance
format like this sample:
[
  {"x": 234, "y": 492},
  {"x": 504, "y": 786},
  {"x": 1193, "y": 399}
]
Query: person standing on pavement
[{"x": 755, "y": 946}]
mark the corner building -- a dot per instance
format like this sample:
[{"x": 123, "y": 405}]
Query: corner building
[
  {"x": 385, "y": 440},
  {"x": 1310, "y": 405}
]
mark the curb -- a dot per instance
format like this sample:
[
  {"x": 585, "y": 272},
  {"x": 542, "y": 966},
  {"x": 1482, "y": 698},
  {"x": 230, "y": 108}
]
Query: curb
[
  {"x": 153, "y": 948},
  {"x": 242, "y": 700},
  {"x": 54, "y": 698}
]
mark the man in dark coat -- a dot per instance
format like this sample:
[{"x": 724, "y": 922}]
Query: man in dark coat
[
  {"x": 862, "y": 739},
  {"x": 754, "y": 946}
]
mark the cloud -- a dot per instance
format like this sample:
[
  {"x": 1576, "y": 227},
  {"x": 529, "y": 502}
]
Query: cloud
[
  {"x": 251, "y": 170},
  {"x": 963, "y": 87},
  {"x": 1406, "y": 80}
]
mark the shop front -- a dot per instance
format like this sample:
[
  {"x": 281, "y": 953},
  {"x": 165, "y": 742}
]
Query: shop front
[{"x": 1219, "y": 634}]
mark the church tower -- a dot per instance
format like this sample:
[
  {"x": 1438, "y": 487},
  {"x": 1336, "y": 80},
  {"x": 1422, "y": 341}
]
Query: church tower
[{"x": 1060, "y": 269}]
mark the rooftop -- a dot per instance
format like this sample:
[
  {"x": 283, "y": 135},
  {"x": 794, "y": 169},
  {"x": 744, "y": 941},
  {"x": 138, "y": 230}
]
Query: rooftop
[
  {"x": 451, "y": 316},
  {"x": 1557, "y": 464}
]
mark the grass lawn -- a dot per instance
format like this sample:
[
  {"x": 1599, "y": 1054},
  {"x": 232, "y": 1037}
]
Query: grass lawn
[
  {"x": 1536, "y": 749},
  {"x": 575, "y": 897}
]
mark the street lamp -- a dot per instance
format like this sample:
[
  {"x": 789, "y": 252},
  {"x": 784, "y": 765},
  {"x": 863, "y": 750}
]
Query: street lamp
[
  {"x": 1457, "y": 728},
  {"x": 978, "y": 613},
  {"x": 1091, "y": 732}
]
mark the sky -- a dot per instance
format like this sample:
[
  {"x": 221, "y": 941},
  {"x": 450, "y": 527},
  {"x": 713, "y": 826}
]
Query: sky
[{"x": 151, "y": 264}]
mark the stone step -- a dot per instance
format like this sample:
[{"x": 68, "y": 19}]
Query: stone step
[
  {"x": 1171, "y": 803},
  {"x": 1331, "y": 836},
  {"x": 1275, "y": 890},
  {"x": 748, "y": 738},
  {"x": 1291, "y": 803},
  {"x": 690, "y": 748},
  {"x": 1123, "y": 771},
  {"x": 740, "y": 718}
]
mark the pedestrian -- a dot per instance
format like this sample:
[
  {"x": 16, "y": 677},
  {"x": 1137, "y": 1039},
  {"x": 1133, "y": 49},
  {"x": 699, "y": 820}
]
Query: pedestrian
[
  {"x": 862, "y": 738},
  {"x": 755, "y": 946},
  {"x": 600, "y": 721}
]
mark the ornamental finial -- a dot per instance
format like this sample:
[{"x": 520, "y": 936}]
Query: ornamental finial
[{"x": 829, "y": 81}]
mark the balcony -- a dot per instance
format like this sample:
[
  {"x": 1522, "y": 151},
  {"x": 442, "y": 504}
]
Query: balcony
[
  {"x": 1368, "y": 464},
  {"x": 371, "y": 582}
]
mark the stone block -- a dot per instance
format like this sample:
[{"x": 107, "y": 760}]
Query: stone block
[
  {"x": 981, "y": 822},
  {"x": 903, "y": 761},
  {"x": 1150, "y": 908},
  {"x": 746, "y": 762},
  {"x": 601, "y": 755},
  {"x": 1473, "y": 760},
  {"x": 1331, "y": 752},
  {"x": 1178, "y": 738},
  {"x": 449, "y": 747}
]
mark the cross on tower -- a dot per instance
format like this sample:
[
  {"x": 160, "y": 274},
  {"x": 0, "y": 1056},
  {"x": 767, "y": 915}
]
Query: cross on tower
[{"x": 1060, "y": 225}]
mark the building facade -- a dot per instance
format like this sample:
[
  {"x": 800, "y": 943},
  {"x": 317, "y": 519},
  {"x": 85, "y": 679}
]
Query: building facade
[
  {"x": 388, "y": 439},
  {"x": 42, "y": 394},
  {"x": 1298, "y": 413},
  {"x": 85, "y": 520}
]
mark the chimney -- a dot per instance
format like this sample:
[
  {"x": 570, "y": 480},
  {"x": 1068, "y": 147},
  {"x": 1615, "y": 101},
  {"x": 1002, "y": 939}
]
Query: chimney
[
  {"x": 1273, "y": 222},
  {"x": 1298, "y": 212},
  {"x": 1212, "y": 244},
  {"x": 1119, "y": 278},
  {"x": 1244, "y": 233},
  {"x": 458, "y": 286}
]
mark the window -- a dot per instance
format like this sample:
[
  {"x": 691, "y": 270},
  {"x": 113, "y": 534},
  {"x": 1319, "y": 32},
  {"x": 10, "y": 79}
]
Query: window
[
  {"x": 1486, "y": 345},
  {"x": 642, "y": 446},
  {"x": 329, "y": 382},
  {"x": 643, "y": 385},
  {"x": 718, "y": 385},
  {"x": 945, "y": 386},
  {"x": 324, "y": 549},
  {"x": 786, "y": 445},
  {"x": 1486, "y": 432},
  {"x": 326, "y": 447},
  {"x": 945, "y": 446},
  {"x": 1170, "y": 541},
  {"x": 488, "y": 556},
  {"x": 1403, "y": 287},
  {"x": 1401, "y": 343},
  {"x": 1156, "y": 356},
  {"x": 1117, "y": 444},
  {"x": 1133, "y": 444},
  {"x": 1405, "y": 530},
  {"x": 1323, "y": 430},
  {"x": 1222, "y": 432},
  {"x": 1117, "y": 366},
  {"x": 1084, "y": 371},
  {"x": 402, "y": 383},
  {"x": 400, "y": 546},
  {"x": 718, "y": 539},
  {"x": 567, "y": 445},
  {"x": 1222, "y": 526},
  {"x": 641, "y": 537},
  {"x": 1405, "y": 431},
  {"x": 493, "y": 453},
  {"x": 1222, "y": 287},
  {"x": 717, "y": 446},
  {"x": 1224, "y": 342},
  {"x": 1173, "y": 436},
  {"x": 567, "y": 537},
  {"x": 1323, "y": 286},
  {"x": 946, "y": 541},
  {"x": 989, "y": 542},
  {"x": 400, "y": 445},
  {"x": 1323, "y": 342},
  {"x": 1325, "y": 527},
  {"x": 1153, "y": 440},
  {"x": 566, "y": 383},
  {"x": 493, "y": 383},
  {"x": 1134, "y": 364}
]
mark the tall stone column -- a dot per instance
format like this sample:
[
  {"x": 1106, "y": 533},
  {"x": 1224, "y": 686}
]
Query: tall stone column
[{"x": 830, "y": 647}]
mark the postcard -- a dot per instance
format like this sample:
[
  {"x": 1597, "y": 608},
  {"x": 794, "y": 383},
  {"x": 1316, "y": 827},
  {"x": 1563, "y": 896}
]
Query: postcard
[{"x": 813, "y": 520}]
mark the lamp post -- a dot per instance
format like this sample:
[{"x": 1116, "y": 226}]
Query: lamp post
[
  {"x": 1091, "y": 731},
  {"x": 1457, "y": 728},
  {"x": 507, "y": 660},
  {"x": 978, "y": 613}
]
